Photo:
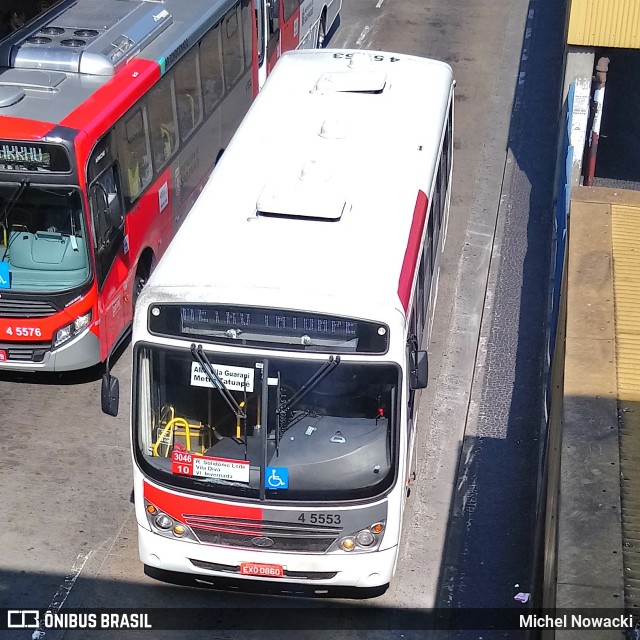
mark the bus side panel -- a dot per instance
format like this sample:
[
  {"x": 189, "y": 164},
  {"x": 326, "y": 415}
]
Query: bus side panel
[
  {"x": 148, "y": 222},
  {"x": 193, "y": 166},
  {"x": 290, "y": 32},
  {"x": 310, "y": 13}
]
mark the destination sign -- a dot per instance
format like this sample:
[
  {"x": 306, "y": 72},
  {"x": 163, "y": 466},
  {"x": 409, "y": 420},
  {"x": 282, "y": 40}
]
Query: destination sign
[
  {"x": 275, "y": 328},
  {"x": 30, "y": 156}
]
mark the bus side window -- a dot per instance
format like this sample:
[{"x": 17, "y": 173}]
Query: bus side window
[
  {"x": 188, "y": 94},
  {"x": 289, "y": 6},
  {"x": 162, "y": 122},
  {"x": 211, "y": 68},
  {"x": 134, "y": 153},
  {"x": 245, "y": 9},
  {"x": 232, "y": 48}
]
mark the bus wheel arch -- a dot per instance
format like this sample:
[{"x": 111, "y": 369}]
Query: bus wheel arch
[{"x": 146, "y": 264}]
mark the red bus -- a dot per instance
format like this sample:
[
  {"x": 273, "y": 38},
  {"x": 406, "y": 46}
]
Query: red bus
[{"x": 112, "y": 116}]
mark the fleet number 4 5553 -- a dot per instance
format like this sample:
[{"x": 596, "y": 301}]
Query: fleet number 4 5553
[
  {"x": 319, "y": 518},
  {"x": 25, "y": 332}
]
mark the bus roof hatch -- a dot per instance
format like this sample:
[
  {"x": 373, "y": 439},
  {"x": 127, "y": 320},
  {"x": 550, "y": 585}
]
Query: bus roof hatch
[
  {"x": 351, "y": 82},
  {"x": 307, "y": 196}
]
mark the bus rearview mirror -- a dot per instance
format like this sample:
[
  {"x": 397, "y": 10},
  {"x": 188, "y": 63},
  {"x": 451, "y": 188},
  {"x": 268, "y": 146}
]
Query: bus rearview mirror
[
  {"x": 110, "y": 394},
  {"x": 419, "y": 370}
]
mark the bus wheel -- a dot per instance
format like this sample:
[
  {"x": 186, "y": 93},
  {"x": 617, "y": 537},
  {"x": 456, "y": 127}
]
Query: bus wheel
[
  {"x": 322, "y": 30},
  {"x": 142, "y": 275}
]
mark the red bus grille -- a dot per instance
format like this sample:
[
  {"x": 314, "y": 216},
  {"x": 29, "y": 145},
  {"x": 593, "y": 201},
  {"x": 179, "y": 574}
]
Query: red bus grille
[
  {"x": 12, "y": 308},
  {"x": 284, "y": 536},
  {"x": 32, "y": 352}
]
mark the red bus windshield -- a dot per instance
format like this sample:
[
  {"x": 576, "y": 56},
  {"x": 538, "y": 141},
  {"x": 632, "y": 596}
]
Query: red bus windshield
[{"x": 44, "y": 239}]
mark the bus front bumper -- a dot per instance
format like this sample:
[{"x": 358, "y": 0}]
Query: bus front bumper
[
  {"x": 362, "y": 570},
  {"x": 79, "y": 353}
]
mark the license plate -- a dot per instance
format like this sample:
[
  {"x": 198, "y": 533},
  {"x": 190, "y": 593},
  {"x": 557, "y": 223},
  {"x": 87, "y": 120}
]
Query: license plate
[{"x": 261, "y": 570}]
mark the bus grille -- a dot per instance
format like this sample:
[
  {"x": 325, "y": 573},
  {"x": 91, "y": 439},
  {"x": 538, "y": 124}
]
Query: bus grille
[
  {"x": 12, "y": 308},
  {"x": 30, "y": 352},
  {"x": 233, "y": 569},
  {"x": 286, "y": 536}
]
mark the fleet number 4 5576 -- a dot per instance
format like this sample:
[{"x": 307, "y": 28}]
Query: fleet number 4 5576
[{"x": 25, "y": 332}]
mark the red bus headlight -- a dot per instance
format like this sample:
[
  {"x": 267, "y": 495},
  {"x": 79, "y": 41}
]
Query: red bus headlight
[{"x": 72, "y": 329}]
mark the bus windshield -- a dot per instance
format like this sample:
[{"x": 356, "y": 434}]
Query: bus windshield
[
  {"x": 43, "y": 238},
  {"x": 306, "y": 429}
]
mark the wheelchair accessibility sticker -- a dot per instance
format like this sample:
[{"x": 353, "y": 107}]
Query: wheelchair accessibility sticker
[
  {"x": 277, "y": 478},
  {"x": 4, "y": 275}
]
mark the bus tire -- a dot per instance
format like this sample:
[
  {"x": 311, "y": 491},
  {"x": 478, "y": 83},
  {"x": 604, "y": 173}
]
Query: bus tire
[
  {"x": 322, "y": 30},
  {"x": 145, "y": 267}
]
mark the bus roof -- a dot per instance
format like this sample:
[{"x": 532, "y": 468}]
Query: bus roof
[
  {"x": 84, "y": 50},
  {"x": 316, "y": 197}
]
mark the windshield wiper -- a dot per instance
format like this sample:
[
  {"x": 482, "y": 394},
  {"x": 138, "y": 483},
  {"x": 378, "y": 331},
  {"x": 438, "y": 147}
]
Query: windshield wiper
[
  {"x": 11, "y": 202},
  {"x": 313, "y": 381},
  {"x": 201, "y": 357},
  {"x": 285, "y": 406}
]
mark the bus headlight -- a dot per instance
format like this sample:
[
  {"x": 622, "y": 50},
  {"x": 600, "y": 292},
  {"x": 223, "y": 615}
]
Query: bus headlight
[
  {"x": 72, "y": 329},
  {"x": 163, "y": 524},
  {"x": 347, "y": 544},
  {"x": 365, "y": 538}
]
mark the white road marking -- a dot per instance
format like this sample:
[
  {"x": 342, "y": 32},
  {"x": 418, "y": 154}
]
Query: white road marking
[
  {"x": 363, "y": 35},
  {"x": 63, "y": 591},
  {"x": 379, "y": 4}
]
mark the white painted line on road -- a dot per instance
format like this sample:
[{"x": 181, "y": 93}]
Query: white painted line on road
[
  {"x": 379, "y": 4},
  {"x": 531, "y": 13},
  {"x": 363, "y": 35},
  {"x": 63, "y": 591}
]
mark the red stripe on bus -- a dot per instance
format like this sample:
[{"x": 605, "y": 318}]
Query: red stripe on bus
[
  {"x": 178, "y": 506},
  {"x": 23, "y": 129},
  {"x": 111, "y": 100},
  {"x": 412, "y": 252}
]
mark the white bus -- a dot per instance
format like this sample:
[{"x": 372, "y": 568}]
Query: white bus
[{"x": 277, "y": 346}]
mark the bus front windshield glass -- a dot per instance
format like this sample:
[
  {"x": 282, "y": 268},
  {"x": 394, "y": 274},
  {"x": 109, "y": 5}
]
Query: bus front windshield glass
[
  {"x": 42, "y": 238},
  {"x": 274, "y": 428}
]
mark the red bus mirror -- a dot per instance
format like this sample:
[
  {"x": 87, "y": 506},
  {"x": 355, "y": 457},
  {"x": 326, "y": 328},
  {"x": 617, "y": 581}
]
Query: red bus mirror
[{"x": 110, "y": 394}]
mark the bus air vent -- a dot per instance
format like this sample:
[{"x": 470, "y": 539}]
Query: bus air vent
[
  {"x": 73, "y": 42},
  {"x": 351, "y": 82},
  {"x": 38, "y": 40},
  {"x": 52, "y": 31},
  {"x": 92, "y": 39}
]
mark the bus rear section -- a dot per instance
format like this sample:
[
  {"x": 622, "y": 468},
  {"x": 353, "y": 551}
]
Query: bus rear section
[{"x": 277, "y": 349}]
